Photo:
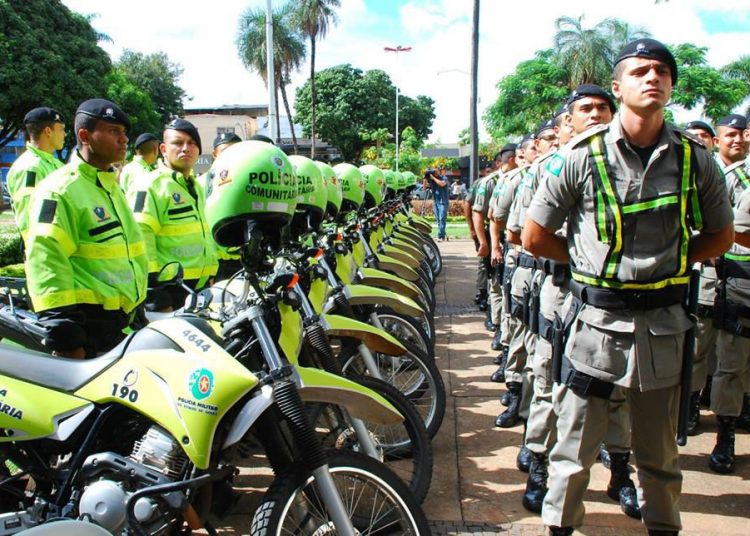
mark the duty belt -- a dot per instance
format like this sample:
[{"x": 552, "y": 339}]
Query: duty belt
[
  {"x": 732, "y": 268},
  {"x": 526, "y": 261},
  {"x": 636, "y": 300},
  {"x": 558, "y": 271}
]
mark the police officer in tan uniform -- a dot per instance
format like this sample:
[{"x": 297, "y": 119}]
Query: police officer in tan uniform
[
  {"x": 732, "y": 313},
  {"x": 704, "y": 362},
  {"x": 632, "y": 193},
  {"x": 588, "y": 105},
  {"x": 501, "y": 253}
]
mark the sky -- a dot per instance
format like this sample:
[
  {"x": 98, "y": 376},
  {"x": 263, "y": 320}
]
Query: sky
[{"x": 201, "y": 37}]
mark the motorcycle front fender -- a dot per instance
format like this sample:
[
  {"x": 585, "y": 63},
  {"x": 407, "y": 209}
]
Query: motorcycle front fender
[
  {"x": 374, "y": 338},
  {"x": 408, "y": 248},
  {"x": 366, "y": 295},
  {"x": 400, "y": 255},
  {"x": 421, "y": 224},
  {"x": 317, "y": 386},
  {"x": 379, "y": 278},
  {"x": 402, "y": 270}
]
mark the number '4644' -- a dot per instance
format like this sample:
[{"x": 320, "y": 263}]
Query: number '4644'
[{"x": 197, "y": 339}]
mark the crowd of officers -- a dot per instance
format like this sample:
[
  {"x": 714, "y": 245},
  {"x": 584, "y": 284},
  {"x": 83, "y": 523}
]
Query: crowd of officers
[
  {"x": 97, "y": 233},
  {"x": 587, "y": 233}
]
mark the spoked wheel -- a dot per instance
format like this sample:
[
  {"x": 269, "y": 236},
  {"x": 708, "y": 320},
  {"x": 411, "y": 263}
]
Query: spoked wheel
[
  {"x": 414, "y": 374},
  {"x": 419, "y": 333},
  {"x": 433, "y": 257},
  {"x": 404, "y": 447},
  {"x": 377, "y": 502}
]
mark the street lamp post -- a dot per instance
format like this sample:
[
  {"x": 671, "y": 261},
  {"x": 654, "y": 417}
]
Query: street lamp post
[{"x": 397, "y": 49}]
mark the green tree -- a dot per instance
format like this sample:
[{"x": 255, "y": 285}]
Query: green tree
[
  {"x": 409, "y": 158},
  {"x": 314, "y": 18},
  {"x": 700, "y": 84},
  {"x": 527, "y": 96},
  {"x": 157, "y": 76},
  {"x": 588, "y": 54},
  {"x": 135, "y": 102},
  {"x": 50, "y": 57},
  {"x": 353, "y": 104},
  {"x": 288, "y": 50}
]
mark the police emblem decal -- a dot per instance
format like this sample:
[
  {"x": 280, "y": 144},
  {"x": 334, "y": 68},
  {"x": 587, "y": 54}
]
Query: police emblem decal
[{"x": 101, "y": 214}]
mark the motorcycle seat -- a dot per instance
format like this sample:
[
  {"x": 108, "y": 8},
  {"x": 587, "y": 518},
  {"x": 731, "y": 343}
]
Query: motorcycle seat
[{"x": 54, "y": 372}]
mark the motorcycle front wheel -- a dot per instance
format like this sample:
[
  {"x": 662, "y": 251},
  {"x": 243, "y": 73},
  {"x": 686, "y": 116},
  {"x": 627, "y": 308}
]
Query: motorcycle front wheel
[{"x": 377, "y": 502}]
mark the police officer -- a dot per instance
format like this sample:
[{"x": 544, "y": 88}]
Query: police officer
[
  {"x": 506, "y": 159},
  {"x": 501, "y": 253},
  {"x": 631, "y": 192},
  {"x": 86, "y": 261},
  {"x": 733, "y": 340},
  {"x": 45, "y": 133},
  {"x": 479, "y": 215},
  {"x": 522, "y": 341},
  {"x": 170, "y": 207},
  {"x": 704, "y": 363},
  {"x": 481, "y": 297},
  {"x": 144, "y": 161},
  {"x": 223, "y": 141}
]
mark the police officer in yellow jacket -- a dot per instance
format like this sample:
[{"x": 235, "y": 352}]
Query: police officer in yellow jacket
[
  {"x": 144, "y": 162},
  {"x": 169, "y": 205},
  {"x": 86, "y": 259},
  {"x": 45, "y": 133}
]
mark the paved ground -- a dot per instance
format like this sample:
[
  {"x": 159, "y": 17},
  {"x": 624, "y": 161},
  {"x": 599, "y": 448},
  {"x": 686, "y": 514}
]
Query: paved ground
[{"x": 476, "y": 488}]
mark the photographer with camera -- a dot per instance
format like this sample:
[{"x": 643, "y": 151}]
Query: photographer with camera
[{"x": 439, "y": 187}]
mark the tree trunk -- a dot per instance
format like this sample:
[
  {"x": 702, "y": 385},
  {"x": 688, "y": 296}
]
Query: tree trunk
[
  {"x": 278, "y": 119},
  {"x": 282, "y": 86},
  {"x": 312, "y": 97}
]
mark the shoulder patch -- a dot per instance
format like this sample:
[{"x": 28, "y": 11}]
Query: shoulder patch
[
  {"x": 555, "y": 164},
  {"x": 30, "y": 178},
  {"x": 48, "y": 210},
  {"x": 586, "y": 134},
  {"x": 140, "y": 201}
]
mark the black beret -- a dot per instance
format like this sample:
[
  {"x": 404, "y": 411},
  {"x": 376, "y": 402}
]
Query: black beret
[
  {"x": 591, "y": 90},
  {"x": 652, "y": 49},
  {"x": 700, "y": 125},
  {"x": 143, "y": 138},
  {"x": 226, "y": 137},
  {"x": 734, "y": 121},
  {"x": 546, "y": 125},
  {"x": 105, "y": 110},
  {"x": 261, "y": 137},
  {"x": 188, "y": 128},
  {"x": 527, "y": 137},
  {"x": 43, "y": 115},
  {"x": 508, "y": 148},
  {"x": 563, "y": 108}
]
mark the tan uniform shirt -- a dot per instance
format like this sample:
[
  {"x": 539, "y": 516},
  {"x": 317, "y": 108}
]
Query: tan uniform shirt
[
  {"x": 639, "y": 349},
  {"x": 505, "y": 192},
  {"x": 483, "y": 194},
  {"x": 525, "y": 193}
]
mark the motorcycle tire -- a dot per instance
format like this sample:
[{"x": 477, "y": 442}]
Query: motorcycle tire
[
  {"x": 404, "y": 447},
  {"x": 414, "y": 374},
  {"x": 419, "y": 333},
  {"x": 378, "y": 503}
]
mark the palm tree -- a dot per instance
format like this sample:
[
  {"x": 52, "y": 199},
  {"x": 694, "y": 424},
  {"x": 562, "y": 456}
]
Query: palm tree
[
  {"x": 739, "y": 69},
  {"x": 588, "y": 54},
  {"x": 288, "y": 50},
  {"x": 314, "y": 18}
]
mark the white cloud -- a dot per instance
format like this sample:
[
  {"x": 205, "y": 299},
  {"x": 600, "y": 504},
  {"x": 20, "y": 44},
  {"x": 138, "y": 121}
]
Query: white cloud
[{"x": 200, "y": 36}]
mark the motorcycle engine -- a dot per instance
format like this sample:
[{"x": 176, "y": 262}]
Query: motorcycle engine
[{"x": 156, "y": 459}]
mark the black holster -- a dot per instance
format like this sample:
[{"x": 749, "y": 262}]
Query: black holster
[
  {"x": 560, "y": 332},
  {"x": 584, "y": 384},
  {"x": 534, "y": 307}
]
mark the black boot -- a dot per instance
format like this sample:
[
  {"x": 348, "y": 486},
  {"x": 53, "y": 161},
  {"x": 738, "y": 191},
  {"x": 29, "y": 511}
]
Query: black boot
[
  {"x": 743, "y": 421},
  {"x": 654, "y": 532},
  {"x": 722, "y": 457},
  {"x": 536, "y": 484},
  {"x": 524, "y": 459},
  {"x": 706, "y": 393},
  {"x": 482, "y": 300},
  {"x": 621, "y": 487},
  {"x": 489, "y": 325},
  {"x": 499, "y": 375},
  {"x": 509, "y": 418},
  {"x": 560, "y": 531},
  {"x": 505, "y": 399},
  {"x": 496, "y": 346},
  {"x": 694, "y": 416},
  {"x": 502, "y": 357},
  {"x": 604, "y": 457}
]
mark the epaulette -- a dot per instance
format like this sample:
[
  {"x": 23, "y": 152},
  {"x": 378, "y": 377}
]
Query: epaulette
[
  {"x": 586, "y": 134},
  {"x": 688, "y": 135}
]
